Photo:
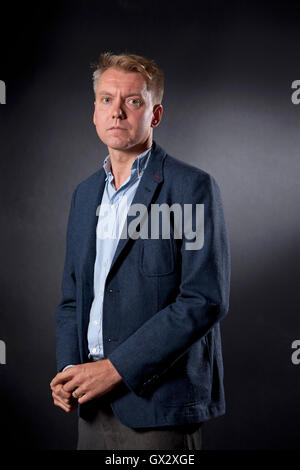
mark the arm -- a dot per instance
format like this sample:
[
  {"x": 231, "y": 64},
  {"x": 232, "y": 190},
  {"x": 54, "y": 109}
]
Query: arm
[
  {"x": 67, "y": 350},
  {"x": 202, "y": 301}
]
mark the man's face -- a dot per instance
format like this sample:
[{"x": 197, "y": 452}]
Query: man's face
[{"x": 123, "y": 109}]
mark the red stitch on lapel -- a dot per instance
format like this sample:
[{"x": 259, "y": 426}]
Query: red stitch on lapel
[{"x": 156, "y": 176}]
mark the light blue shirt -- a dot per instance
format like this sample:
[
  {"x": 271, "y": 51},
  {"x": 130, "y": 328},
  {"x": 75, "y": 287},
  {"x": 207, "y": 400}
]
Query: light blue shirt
[{"x": 112, "y": 214}]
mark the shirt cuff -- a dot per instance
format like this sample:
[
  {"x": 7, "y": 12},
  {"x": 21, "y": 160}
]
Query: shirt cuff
[{"x": 67, "y": 367}]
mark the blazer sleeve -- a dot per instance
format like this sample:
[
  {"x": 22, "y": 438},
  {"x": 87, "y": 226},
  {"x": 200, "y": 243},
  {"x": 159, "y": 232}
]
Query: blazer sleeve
[
  {"x": 203, "y": 298},
  {"x": 67, "y": 349}
]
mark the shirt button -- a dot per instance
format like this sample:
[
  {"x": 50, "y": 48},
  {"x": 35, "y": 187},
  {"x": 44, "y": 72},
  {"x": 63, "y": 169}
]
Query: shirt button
[
  {"x": 101, "y": 292},
  {"x": 95, "y": 322},
  {"x": 105, "y": 263},
  {"x": 94, "y": 350}
]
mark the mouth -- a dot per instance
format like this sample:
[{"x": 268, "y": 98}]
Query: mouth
[{"x": 117, "y": 129}]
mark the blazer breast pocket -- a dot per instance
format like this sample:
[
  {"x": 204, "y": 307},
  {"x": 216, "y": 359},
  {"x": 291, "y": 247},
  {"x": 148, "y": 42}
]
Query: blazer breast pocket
[{"x": 157, "y": 257}]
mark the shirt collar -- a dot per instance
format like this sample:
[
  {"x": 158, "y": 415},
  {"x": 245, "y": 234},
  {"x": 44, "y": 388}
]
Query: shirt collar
[{"x": 138, "y": 166}]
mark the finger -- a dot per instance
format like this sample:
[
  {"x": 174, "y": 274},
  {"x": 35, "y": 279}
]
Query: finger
[
  {"x": 88, "y": 396},
  {"x": 59, "y": 390},
  {"x": 79, "y": 392},
  {"x": 71, "y": 385},
  {"x": 66, "y": 402},
  {"x": 84, "y": 398},
  {"x": 66, "y": 406},
  {"x": 62, "y": 405},
  {"x": 56, "y": 381},
  {"x": 62, "y": 377}
]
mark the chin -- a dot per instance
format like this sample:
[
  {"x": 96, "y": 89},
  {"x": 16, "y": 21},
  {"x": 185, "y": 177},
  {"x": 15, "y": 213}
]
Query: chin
[{"x": 118, "y": 144}]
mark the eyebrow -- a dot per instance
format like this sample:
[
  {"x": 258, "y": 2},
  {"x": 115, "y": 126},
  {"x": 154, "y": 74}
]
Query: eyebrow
[{"x": 110, "y": 94}]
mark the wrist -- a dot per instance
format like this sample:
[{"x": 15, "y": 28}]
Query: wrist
[{"x": 114, "y": 373}]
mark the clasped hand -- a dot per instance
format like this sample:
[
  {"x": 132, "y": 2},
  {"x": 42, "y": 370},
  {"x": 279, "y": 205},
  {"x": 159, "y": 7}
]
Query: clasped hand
[{"x": 83, "y": 382}]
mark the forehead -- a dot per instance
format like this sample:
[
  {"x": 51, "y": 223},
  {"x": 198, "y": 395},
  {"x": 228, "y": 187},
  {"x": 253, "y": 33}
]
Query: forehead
[{"x": 129, "y": 82}]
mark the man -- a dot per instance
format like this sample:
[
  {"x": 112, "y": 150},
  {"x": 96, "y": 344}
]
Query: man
[{"x": 138, "y": 335}]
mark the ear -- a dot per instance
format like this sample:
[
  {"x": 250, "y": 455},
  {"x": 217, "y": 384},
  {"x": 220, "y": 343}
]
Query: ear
[{"x": 157, "y": 115}]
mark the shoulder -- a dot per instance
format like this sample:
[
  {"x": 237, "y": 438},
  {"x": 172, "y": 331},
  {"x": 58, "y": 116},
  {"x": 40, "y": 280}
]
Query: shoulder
[
  {"x": 90, "y": 183},
  {"x": 186, "y": 175}
]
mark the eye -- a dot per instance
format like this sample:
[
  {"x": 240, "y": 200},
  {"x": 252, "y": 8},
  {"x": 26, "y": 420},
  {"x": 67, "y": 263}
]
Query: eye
[
  {"x": 105, "y": 99},
  {"x": 134, "y": 101}
]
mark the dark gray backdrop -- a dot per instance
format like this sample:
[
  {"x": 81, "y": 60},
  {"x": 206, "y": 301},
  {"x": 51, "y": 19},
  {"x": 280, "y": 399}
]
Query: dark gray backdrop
[{"x": 229, "y": 68}]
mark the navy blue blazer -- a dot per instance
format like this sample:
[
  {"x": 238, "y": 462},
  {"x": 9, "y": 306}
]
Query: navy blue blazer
[{"x": 162, "y": 303}]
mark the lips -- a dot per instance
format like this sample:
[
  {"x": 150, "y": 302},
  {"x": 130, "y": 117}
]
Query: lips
[{"x": 116, "y": 129}]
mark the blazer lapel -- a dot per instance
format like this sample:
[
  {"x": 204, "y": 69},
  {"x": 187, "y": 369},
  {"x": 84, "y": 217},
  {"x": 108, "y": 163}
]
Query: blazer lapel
[{"x": 151, "y": 179}]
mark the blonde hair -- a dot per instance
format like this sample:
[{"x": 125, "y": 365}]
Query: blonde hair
[{"x": 133, "y": 63}]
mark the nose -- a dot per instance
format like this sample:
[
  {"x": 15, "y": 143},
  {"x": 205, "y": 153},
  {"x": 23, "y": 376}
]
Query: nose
[{"x": 118, "y": 112}]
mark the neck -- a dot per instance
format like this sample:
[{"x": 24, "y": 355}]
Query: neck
[{"x": 122, "y": 160}]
